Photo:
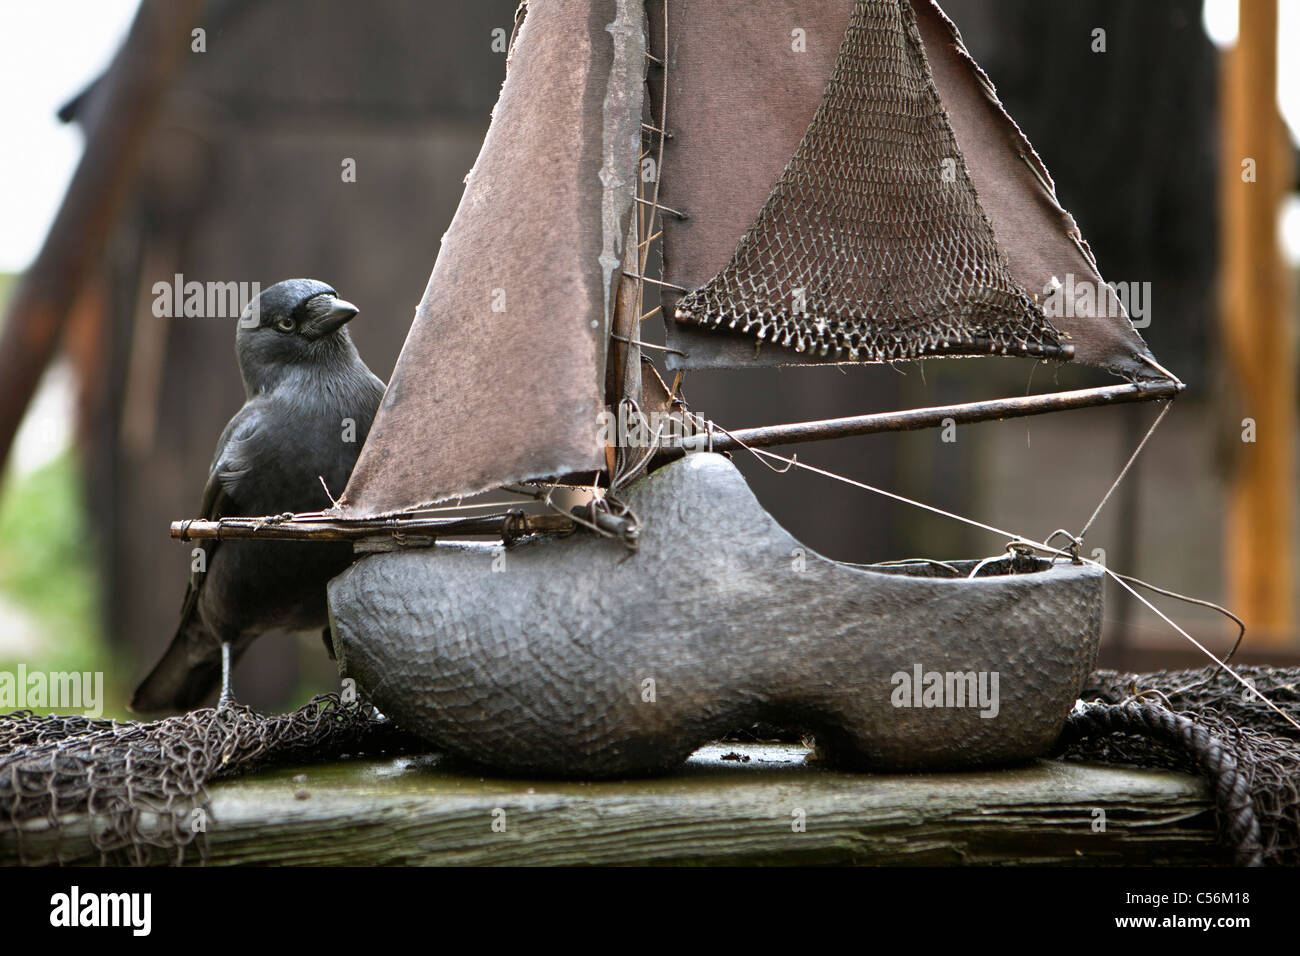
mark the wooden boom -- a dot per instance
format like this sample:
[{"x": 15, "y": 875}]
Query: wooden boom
[{"x": 324, "y": 528}]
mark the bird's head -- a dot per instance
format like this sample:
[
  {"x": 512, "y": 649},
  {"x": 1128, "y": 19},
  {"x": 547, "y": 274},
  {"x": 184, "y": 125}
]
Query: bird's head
[{"x": 298, "y": 322}]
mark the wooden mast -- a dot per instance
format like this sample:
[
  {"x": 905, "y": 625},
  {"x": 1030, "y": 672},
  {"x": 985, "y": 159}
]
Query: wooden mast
[{"x": 1258, "y": 332}]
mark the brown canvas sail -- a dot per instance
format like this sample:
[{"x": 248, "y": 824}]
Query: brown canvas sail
[
  {"x": 501, "y": 378},
  {"x": 913, "y": 218}
]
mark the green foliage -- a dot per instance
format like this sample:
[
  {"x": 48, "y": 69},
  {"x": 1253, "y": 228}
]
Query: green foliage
[{"x": 47, "y": 567}]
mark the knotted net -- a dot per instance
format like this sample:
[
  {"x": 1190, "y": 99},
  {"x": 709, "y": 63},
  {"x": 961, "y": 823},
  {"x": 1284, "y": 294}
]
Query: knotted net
[{"x": 137, "y": 790}]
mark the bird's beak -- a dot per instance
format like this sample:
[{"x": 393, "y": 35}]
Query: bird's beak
[{"x": 328, "y": 315}]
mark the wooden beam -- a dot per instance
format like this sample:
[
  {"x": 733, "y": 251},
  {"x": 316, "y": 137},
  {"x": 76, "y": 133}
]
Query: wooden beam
[
  {"x": 732, "y": 804},
  {"x": 1258, "y": 331},
  {"x": 47, "y": 292}
]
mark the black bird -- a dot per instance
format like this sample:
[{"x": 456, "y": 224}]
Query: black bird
[{"x": 309, "y": 403}]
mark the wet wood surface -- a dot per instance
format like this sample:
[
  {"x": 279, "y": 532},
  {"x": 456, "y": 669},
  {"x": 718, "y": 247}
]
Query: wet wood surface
[{"x": 731, "y": 805}]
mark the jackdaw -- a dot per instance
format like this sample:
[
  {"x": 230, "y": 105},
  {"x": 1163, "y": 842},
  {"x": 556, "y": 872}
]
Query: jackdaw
[{"x": 309, "y": 403}]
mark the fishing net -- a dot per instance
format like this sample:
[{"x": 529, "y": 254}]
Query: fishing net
[
  {"x": 1205, "y": 722},
  {"x": 136, "y": 792},
  {"x": 872, "y": 245}
]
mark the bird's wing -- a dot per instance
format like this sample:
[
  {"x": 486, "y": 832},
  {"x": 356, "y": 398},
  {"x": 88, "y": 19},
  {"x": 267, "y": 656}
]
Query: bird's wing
[{"x": 229, "y": 466}]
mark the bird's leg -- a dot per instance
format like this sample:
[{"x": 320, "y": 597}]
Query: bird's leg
[{"x": 226, "y": 698}]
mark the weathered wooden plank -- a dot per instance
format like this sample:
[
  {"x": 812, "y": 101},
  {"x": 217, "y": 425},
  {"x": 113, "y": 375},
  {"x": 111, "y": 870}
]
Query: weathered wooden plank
[{"x": 714, "y": 811}]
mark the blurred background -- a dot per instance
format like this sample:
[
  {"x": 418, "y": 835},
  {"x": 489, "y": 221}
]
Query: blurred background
[{"x": 238, "y": 179}]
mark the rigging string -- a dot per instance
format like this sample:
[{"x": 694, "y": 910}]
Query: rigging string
[
  {"x": 644, "y": 345},
  {"x": 622, "y": 472},
  {"x": 1021, "y": 540},
  {"x": 1077, "y": 541},
  {"x": 646, "y": 230},
  {"x": 1124, "y": 471}
]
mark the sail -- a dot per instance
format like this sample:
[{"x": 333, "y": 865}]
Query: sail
[
  {"x": 502, "y": 375},
  {"x": 851, "y": 190}
]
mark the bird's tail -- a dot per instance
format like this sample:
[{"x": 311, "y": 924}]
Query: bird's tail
[{"x": 186, "y": 676}]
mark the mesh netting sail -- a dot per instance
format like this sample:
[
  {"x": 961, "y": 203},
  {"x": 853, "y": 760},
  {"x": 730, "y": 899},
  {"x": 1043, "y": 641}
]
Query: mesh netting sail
[
  {"x": 873, "y": 245},
  {"x": 129, "y": 791}
]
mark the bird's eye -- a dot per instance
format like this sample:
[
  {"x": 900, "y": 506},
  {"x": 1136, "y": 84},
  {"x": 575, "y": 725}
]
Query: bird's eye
[{"x": 285, "y": 325}]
